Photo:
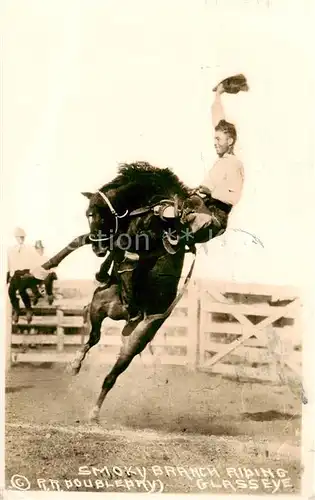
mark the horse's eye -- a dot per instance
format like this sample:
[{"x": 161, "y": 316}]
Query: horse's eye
[{"x": 90, "y": 218}]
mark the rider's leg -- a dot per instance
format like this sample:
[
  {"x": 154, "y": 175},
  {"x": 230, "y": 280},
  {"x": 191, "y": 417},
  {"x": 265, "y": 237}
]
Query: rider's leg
[
  {"x": 126, "y": 270},
  {"x": 219, "y": 221},
  {"x": 102, "y": 275},
  {"x": 219, "y": 215}
]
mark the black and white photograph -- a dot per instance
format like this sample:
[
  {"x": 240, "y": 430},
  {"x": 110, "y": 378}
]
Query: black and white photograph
[{"x": 158, "y": 169}]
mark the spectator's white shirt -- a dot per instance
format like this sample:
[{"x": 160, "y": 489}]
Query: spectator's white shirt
[{"x": 22, "y": 257}]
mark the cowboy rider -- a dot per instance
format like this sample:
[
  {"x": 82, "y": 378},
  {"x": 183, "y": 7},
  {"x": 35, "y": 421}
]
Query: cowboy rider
[{"x": 222, "y": 186}]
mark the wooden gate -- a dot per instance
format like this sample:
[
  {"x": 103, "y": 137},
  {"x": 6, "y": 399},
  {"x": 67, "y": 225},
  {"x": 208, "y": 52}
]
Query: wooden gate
[{"x": 250, "y": 330}]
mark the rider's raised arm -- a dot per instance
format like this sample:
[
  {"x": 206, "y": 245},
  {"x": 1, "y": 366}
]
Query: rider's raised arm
[{"x": 217, "y": 110}]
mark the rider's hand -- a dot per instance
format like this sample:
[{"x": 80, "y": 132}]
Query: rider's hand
[{"x": 220, "y": 89}]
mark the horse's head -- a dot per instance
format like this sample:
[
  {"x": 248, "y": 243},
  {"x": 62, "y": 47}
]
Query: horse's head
[
  {"x": 103, "y": 220},
  {"x": 196, "y": 217}
]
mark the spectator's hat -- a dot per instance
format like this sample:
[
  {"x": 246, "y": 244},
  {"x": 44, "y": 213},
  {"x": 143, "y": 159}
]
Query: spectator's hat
[
  {"x": 39, "y": 244},
  {"x": 19, "y": 232}
]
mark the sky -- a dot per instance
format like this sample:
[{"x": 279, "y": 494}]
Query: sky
[{"x": 90, "y": 84}]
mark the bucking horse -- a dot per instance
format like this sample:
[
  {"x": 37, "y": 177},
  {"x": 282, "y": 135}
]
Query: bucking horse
[{"x": 149, "y": 212}]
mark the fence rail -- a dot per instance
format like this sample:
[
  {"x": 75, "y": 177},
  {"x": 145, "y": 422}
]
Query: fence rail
[{"x": 242, "y": 330}]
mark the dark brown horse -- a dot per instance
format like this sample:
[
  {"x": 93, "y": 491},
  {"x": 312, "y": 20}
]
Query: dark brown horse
[{"x": 141, "y": 201}]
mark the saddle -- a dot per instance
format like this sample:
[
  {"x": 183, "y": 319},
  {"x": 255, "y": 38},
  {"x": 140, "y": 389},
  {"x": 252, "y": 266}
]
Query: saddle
[{"x": 166, "y": 210}]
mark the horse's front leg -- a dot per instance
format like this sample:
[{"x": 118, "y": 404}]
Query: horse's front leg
[
  {"x": 78, "y": 242},
  {"x": 142, "y": 334}
]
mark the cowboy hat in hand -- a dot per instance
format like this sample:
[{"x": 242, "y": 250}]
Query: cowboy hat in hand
[{"x": 233, "y": 84}]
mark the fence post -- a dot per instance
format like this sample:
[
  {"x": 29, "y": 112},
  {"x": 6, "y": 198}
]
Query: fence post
[
  {"x": 203, "y": 318},
  {"x": 8, "y": 335},
  {"x": 60, "y": 330},
  {"x": 198, "y": 326},
  {"x": 193, "y": 327}
]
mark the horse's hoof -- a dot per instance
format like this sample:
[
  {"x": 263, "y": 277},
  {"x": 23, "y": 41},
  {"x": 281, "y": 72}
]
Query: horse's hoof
[
  {"x": 94, "y": 416},
  {"x": 73, "y": 368},
  {"x": 50, "y": 300}
]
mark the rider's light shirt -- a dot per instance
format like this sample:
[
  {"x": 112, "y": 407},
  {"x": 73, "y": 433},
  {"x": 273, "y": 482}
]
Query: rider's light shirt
[{"x": 225, "y": 179}]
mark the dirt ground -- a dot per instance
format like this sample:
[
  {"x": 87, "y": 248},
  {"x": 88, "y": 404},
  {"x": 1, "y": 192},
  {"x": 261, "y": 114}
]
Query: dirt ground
[{"x": 162, "y": 429}]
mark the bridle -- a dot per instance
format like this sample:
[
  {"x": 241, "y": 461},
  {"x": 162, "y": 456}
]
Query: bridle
[{"x": 114, "y": 213}]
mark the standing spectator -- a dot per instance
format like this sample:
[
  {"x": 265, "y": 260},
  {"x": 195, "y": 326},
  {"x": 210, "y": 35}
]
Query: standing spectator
[{"x": 21, "y": 258}]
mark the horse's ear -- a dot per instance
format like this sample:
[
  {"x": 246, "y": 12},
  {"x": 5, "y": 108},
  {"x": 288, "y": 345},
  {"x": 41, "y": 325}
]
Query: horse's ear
[{"x": 87, "y": 195}]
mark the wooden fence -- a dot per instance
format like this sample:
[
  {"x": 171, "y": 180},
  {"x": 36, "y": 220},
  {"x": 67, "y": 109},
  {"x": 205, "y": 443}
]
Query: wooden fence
[{"x": 233, "y": 329}]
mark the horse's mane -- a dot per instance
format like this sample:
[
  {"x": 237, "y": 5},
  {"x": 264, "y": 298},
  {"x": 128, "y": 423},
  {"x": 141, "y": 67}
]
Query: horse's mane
[{"x": 147, "y": 180}]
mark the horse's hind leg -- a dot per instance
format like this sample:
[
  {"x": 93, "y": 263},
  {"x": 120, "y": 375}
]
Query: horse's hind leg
[
  {"x": 133, "y": 345},
  {"x": 96, "y": 318}
]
